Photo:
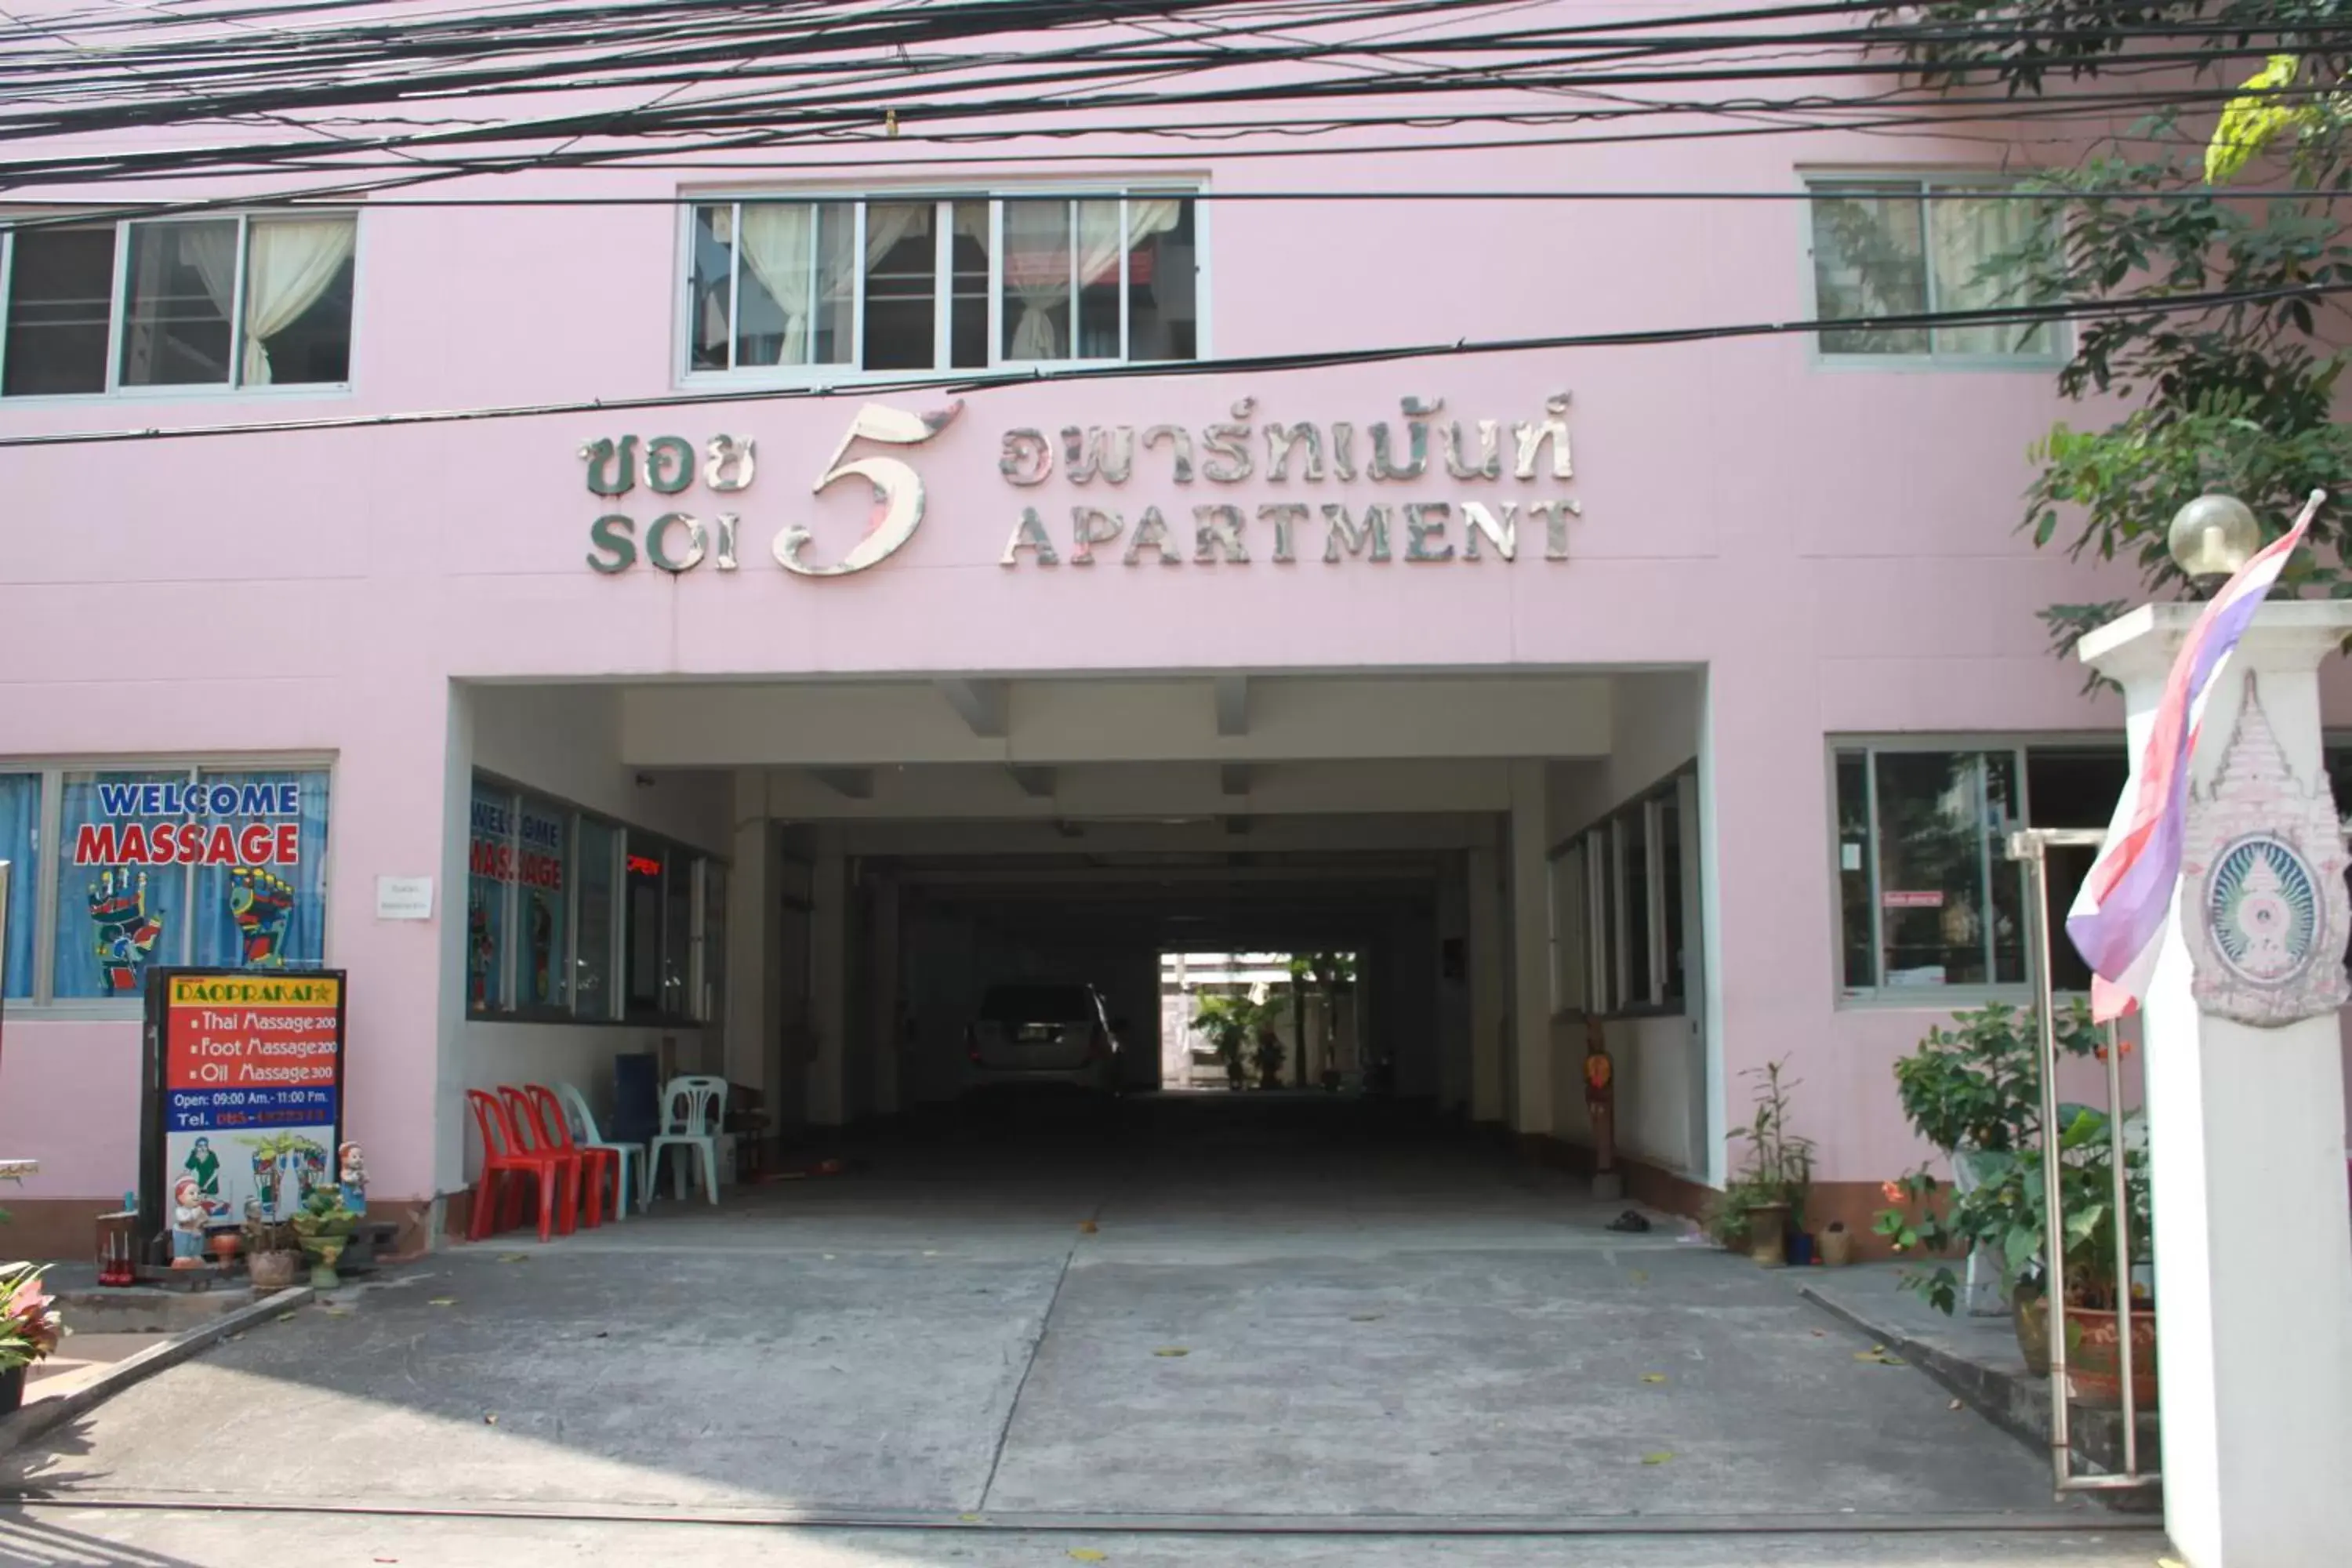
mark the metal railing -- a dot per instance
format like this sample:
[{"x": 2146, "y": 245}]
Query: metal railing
[{"x": 2030, "y": 847}]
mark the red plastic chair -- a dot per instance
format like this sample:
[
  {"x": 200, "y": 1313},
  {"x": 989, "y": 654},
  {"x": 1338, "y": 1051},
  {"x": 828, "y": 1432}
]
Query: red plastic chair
[
  {"x": 532, "y": 1139},
  {"x": 503, "y": 1154},
  {"x": 553, "y": 1130}
]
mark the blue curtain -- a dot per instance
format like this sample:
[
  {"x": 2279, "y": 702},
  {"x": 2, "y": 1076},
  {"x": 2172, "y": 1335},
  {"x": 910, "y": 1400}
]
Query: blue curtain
[
  {"x": 20, "y": 821},
  {"x": 271, "y": 915}
]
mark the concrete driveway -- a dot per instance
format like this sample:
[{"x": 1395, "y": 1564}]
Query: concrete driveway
[{"x": 1232, "y": 1314}]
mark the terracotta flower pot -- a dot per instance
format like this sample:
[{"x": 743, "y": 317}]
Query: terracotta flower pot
[
  {"x": 1768, "y": 1235},
  {"x": 224, "y": 1245},
  {"x": 11, "y": 1389},
  {"x": 1837, "y": 1247},
  {"x": 273, "y": 1270},
  {"x": 2094, "y": 1359}
]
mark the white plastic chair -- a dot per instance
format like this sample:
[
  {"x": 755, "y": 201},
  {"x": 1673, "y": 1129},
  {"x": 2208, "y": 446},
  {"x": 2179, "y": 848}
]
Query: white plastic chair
[
  {"x": 631, "y": 1156},
  {"x": 693, "y": 1110}
]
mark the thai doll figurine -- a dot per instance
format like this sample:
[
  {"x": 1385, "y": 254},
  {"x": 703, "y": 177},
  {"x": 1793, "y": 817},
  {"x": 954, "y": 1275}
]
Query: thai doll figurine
[
  {"x": 352, "y": 1178},
  {"x": 188, "y": 1216}
]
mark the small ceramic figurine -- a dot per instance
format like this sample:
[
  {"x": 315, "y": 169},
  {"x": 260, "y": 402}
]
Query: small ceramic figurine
[
  {"x": 188, "y": 1216},
  {"x": 352, "y": 1178}
]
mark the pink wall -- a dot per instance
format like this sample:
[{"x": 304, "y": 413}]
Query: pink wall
[{"x": 1835, "y": 545}]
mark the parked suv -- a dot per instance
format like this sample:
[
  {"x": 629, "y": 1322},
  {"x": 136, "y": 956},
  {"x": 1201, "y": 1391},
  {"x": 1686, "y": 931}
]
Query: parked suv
[{"x": 1042, "y": 1034}]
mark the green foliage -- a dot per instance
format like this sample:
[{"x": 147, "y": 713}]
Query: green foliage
[
  {"x": 30, "y": 1324},
  {"x": 2234, "y": 396},
  {"x": 1778, "y": 1168},
  {"x": 1974, "y": 1091},
  {"x": 1975, "y": 1086}
]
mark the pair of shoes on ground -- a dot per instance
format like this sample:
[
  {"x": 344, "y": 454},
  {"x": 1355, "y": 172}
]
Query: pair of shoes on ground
[{"x": 1629, "y": 1221}]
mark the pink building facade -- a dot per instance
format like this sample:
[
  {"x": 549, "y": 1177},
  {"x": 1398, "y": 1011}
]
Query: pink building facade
[{"x": 1692, "y": 684}]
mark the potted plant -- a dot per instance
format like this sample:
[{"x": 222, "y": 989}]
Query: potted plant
[
  {"x": 30, "y": 1328},
  {"x": 273, "y": 1251},
  {"x": 2002, "y": 1218},
  {"x": 1973, "y": 1092},
  {"x": 1226, "y": 1022},
  {"x": 1770, "y": 1192},
  {"x": 1837, "y": 1245},
  {"x": 325, "y": 1227}
]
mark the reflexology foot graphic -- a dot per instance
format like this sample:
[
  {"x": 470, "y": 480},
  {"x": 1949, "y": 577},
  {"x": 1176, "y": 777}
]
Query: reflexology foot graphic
[
  {"x": 262, "y": 904},
  {"x": 126, "y": 931}
]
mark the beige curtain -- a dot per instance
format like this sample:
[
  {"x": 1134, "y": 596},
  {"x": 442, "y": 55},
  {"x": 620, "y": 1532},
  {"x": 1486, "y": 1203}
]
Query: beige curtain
[
  {"x": 292, "y": 262},
  {"x": 888, "y": 223},
  {"x": 803, "y": 268},
  {"x": 1037, "y": 228},
  {"x": 1961, "y": 236}
]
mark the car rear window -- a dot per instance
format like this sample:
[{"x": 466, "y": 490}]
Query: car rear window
[{"x": 1038, "y": 1005}]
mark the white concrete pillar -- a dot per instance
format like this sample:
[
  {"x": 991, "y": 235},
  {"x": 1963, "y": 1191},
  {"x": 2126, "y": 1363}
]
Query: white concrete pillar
[
  {"x": 751, "y": 1054},
  {"x": 1489, "y": 1006},
  {"x": 1531, "y": 950},
  {"x": 2253, "y": 1229},
  {"x": 829, "y": 975}
]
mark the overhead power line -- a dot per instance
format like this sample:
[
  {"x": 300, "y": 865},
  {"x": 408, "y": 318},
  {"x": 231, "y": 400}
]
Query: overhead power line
[{"x": 2021, "y": 315}]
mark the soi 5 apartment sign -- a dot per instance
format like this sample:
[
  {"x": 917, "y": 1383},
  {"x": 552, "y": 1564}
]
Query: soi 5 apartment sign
[{"x": 1506, "y": 476}]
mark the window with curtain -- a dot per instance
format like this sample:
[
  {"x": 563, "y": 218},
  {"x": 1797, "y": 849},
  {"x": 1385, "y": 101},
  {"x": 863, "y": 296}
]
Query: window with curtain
[
  {"x": 273, "y": 914},
  {"x": 1887, "y": 247},
  {"x": 543, "y": 897},
  {"x": 489, "y": 885},
  {"x": 880, "y": 284},
  {"x": 20, "y": 828},
  {"x": 239, "y": 301},
  {"x": 114, "y": 871},
  {"x": 1927, "y": 895},
  {"x": 592, "y": 968}
]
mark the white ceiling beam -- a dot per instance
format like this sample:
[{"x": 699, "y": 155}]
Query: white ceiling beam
[
  {"x": 984, "y": 706},
  {"x": 1233, "y": 706}
]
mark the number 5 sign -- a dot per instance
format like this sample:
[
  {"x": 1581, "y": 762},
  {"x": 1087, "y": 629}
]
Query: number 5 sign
[
  {"x": 898, "y": 489},
  {"x": 677, "y": 541}
]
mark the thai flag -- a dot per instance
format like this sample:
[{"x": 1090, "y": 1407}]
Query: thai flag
[{"x": 2119, "y": 919}]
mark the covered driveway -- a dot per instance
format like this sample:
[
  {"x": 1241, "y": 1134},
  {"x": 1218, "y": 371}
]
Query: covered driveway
[{"x": 1222, "y": 1307}]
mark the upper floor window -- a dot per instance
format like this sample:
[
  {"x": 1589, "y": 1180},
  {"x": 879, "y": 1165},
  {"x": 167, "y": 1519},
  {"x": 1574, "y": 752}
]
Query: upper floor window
[
  {"x": 1911, "y": 247},
  {"x": 212, "y": 301},
  {"x": 968, "y": 283}
]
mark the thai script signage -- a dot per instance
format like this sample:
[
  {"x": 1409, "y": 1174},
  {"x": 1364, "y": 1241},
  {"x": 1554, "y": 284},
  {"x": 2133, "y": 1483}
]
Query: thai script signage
[
  {"x": 244, "y": 1092},
  {"x": 1152, "y": 493}
]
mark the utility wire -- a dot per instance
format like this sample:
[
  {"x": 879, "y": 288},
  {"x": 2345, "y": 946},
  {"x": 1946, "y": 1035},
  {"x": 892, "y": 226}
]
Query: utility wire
[{"x": 2021, "y": 315}]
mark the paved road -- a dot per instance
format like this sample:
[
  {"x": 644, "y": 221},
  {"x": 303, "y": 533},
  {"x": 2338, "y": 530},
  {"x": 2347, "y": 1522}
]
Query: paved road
[
  {"x": 1280, "y": 1310},
  {"x": 73, "y": 1538}
]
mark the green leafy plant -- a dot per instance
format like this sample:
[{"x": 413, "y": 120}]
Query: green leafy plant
[
  {"x": 1778, "y": 1167},
  {"x": 1229, "y": 1023},
  {"x": 2003, "y": 1217},
  {"x": 1975, "y": 1087},
  {"x": 2216, "y": 367},
  {"x": 1974, "y": 1091},
  {"x": 30, "y": 1323}
]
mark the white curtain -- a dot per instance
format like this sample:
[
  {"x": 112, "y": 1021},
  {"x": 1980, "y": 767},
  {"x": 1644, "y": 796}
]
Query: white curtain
[
  {"x": 1036, "y": 273},
  {"x": 292, "y": 263},
  {"x": 211, "y": 248},
  {"x": 888, "y": 223},
  {"x": 1961, "y": 236},
  {"x": 779, "y": 246},
  {"x": 1035, "y": 231}
]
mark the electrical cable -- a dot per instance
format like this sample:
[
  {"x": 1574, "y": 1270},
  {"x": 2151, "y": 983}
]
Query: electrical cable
[{"x": 2021, "y": 315}]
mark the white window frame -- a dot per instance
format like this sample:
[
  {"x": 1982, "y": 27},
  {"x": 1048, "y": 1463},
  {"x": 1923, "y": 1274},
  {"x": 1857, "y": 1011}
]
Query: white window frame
[
  {"x": 50, "y": 865},
  {"x": 1938, "y": 998},
  {"x": 944, "y": 202},
  {"x": 119, "y": 314},
  {"x": 1593, "y": 862},
  {"x": 1816, "y": 181}
]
